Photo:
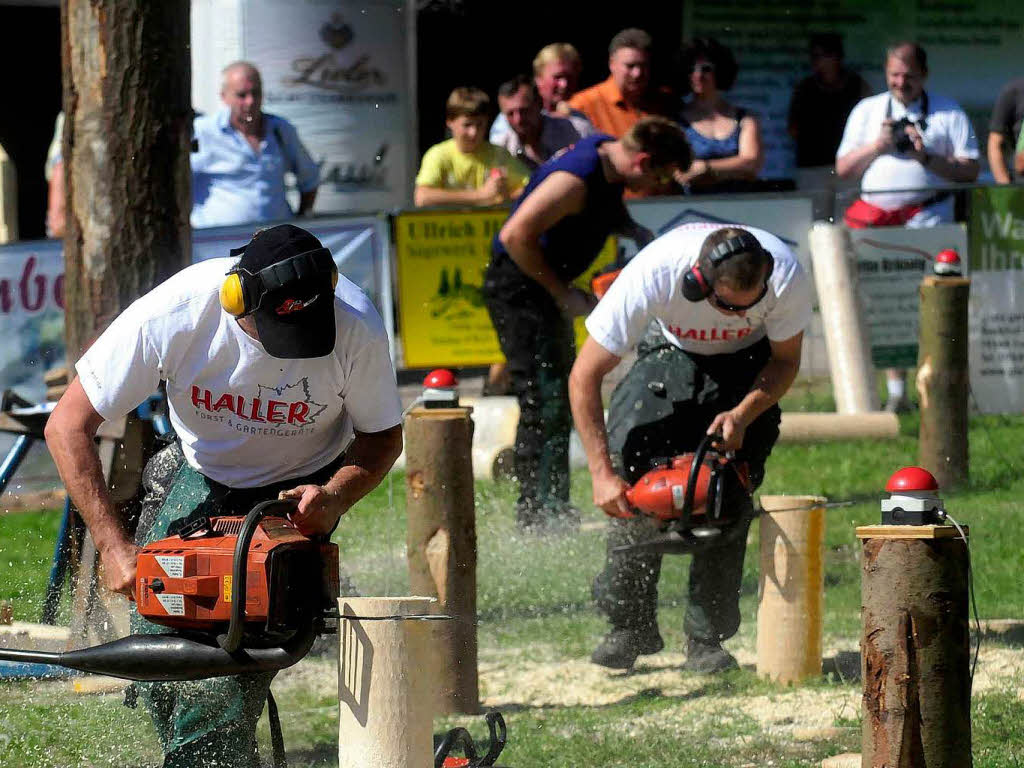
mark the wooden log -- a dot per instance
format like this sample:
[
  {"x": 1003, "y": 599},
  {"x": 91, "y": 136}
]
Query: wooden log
[
  {"x": 385, "y": 707},
  {"x": 915, "y": 651},
  {"x": 817, "y": 427},
  {"x": 441, "y": 543},
  {"x": 846, "y": 337},
  {"x": 942, "y": 378},
  {"x": 792, "y": 589}
]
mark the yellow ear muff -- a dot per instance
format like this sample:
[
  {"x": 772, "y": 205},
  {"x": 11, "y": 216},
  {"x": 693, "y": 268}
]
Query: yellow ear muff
[{"x": 232, "y": 299}]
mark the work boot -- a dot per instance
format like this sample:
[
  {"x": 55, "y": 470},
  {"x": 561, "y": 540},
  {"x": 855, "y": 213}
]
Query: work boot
[
  {"x": 620, "y": 648},
  {"x": 706, "y": 657}
]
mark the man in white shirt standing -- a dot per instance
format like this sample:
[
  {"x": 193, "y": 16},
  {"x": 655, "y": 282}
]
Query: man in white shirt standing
[
  {"x": 279, "y": 385},
  {"x": 903, "y": 144},
  {"x": 730, "y": 305},
  {"x": 907, "y": 140}
]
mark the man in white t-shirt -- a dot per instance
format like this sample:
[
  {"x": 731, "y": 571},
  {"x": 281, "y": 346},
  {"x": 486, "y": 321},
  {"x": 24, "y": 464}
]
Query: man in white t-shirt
[
  {"x": 279, "y": 384},
  {"x": 716, "y": 360},
  {"x": 904, "y": 142}
]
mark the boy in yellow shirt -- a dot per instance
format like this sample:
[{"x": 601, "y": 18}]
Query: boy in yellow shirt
[{"x": 467, "y": 169}]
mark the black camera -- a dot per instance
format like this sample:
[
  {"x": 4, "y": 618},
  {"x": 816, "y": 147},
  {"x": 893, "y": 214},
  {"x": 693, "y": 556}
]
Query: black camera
[{"x": 901, "y": 140}]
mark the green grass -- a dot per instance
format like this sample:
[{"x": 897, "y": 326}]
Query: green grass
[
  {"x": 26, "y": 548},
  {"x": 534, "y": 599}
]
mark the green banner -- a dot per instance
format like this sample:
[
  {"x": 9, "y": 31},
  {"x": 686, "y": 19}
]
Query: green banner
[{"x": 996, "y": 229}]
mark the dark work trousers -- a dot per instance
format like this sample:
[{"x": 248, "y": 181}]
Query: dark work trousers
[
  {"x": 661, "y": 409},
  {"x": 202, "y": 723},
  {"x": 537, "y": 340}
]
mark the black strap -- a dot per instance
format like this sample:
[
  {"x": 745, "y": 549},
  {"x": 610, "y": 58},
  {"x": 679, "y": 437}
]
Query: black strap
[
  {"x": 924, "y": 109},
  {"x": 276, "y": 737}
]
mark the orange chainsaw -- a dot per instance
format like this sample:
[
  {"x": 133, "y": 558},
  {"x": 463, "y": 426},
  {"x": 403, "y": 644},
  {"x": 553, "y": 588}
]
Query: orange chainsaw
[
  {"x": 687, "y": 494},
  {"x": 238, "y": 595}
]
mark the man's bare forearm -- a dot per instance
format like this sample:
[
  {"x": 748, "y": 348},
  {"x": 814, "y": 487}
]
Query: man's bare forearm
[
  {"x": 855, "y": 162},
  {"x": 367, "y": 461},
  {"x": 996, "y": 160},
  {"x": 78, "y": 463},
  {"x": 588, "y": 414},
  {"x": 771, "y": 384},
  {"x": 953, "y": 168},
  {"x": 529, "y": 257}
]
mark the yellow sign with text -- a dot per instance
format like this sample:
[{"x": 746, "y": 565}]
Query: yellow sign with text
[{"x": 441, "y": 258}]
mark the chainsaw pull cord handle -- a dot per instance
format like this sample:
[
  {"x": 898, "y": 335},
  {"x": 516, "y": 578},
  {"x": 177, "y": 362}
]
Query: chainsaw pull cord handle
[
  {"x": 232, "y": 641},
  {"x": 691, "y": 482}
]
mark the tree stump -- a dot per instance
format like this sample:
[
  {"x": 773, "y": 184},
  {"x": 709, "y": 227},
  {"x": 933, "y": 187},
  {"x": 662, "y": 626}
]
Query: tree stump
[
  {"x": 942, "y": 378},
  {"x": 441, "y": 543},
  {"x": 915, "y": 648}
]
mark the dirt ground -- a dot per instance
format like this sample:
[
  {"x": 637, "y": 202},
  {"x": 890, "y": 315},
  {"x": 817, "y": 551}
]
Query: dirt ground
[{"x": 537, "y": 677}]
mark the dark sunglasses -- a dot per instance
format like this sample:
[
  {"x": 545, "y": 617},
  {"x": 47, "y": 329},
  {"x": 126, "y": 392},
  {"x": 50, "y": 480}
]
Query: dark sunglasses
[{"x": 717, "y": 301}]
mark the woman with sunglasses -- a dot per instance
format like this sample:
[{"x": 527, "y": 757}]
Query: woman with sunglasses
[
  {"x": 726, "y": 139},
  {"x": 729, "y": 307}
]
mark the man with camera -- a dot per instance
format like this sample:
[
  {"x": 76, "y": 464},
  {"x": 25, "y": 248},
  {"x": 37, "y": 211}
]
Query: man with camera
[{"x": 903, "y": 144}]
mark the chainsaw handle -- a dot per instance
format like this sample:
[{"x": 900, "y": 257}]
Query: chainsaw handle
[
  {"x": 232, "y": 640},
  {"x": 691, "y": 482}
]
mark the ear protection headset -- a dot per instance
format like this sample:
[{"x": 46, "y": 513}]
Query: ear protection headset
[
  {"x": 697, "y": 284},
  {"x": 242, "y": 291}
]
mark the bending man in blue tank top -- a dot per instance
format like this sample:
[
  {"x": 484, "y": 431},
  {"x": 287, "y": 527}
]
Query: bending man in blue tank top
[{"x": 557, "y": 227}]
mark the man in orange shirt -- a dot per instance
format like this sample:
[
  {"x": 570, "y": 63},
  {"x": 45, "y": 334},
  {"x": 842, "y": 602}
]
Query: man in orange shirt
[{"x": 615, "y": 105}]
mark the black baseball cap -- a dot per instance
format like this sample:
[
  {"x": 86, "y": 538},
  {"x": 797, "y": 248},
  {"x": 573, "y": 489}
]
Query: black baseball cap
[{"x": 293, "y": 297}]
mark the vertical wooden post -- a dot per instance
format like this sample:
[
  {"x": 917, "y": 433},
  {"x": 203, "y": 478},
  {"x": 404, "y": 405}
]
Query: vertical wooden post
[
  {"x": 942, "y": 378},
  {"x": 385, "y": 714},
  {"x": 441, "y": 542},
  {"x": 792, "y": 588},
  {"x": 842, "y": 316},
  {"x": 915, "y": 647}
]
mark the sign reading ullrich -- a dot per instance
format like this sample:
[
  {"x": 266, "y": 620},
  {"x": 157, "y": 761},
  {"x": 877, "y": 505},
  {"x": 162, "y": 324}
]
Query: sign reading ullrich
[
  {"x": 341, "y": 76},
  {"x": 441, "y": 258}
]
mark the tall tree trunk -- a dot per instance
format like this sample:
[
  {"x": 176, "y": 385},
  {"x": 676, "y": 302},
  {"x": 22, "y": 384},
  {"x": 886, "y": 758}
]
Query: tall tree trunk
[
  {"x": 127, "y": 134},
  {"x": 127, "y": 130}
]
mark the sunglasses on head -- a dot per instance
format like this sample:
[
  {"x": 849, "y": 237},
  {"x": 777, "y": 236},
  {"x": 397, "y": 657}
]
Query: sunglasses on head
[{"x": 722, "y": 304}]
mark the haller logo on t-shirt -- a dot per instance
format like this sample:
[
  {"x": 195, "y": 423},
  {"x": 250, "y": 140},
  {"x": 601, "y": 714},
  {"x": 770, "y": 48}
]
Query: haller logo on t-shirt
[
  {"x": 271, "y": 405},
  {"x": 710, "y": 334}
]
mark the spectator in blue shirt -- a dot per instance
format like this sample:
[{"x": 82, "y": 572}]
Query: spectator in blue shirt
[{"x": 243, "y": 155}]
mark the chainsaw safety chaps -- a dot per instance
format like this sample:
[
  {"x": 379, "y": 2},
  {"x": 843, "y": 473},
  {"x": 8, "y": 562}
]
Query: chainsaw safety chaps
[
  {"x": 204, "y": 723},
  {"x": 661, "y": 409}
]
